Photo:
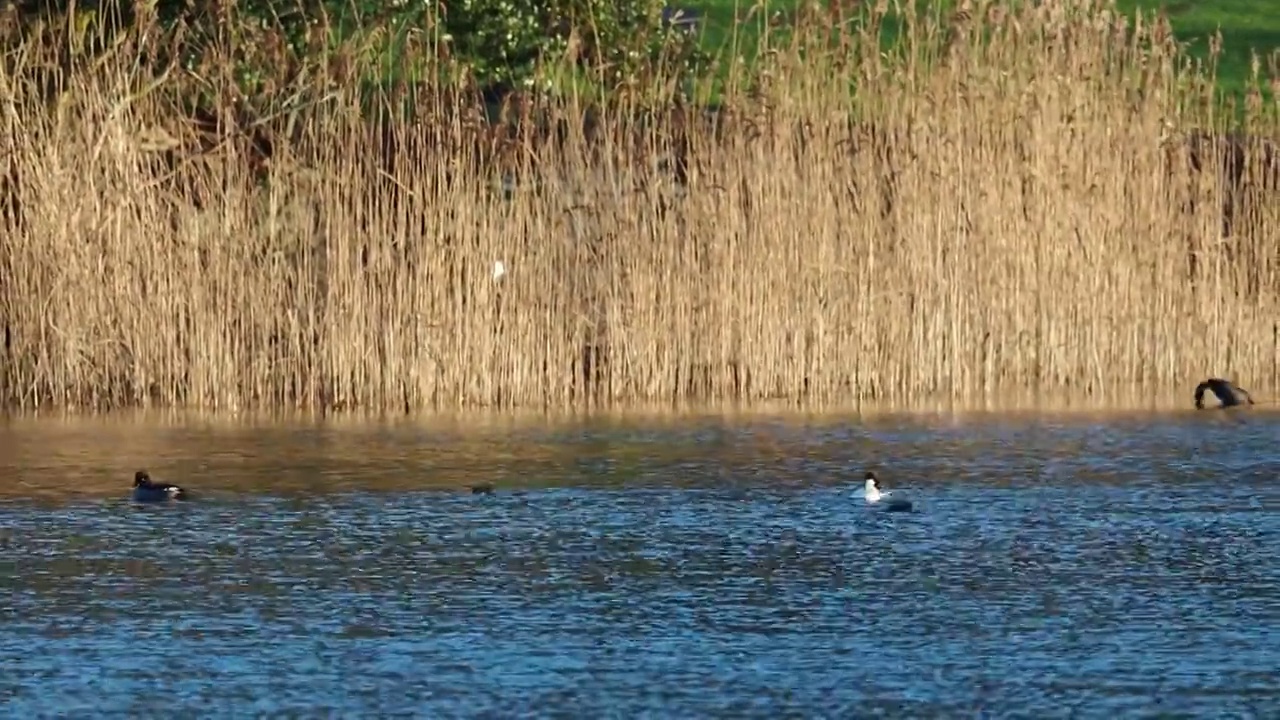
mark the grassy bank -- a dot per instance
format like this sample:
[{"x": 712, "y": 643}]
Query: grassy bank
[
  {"x": 1004, "y": 218},
  {"x": 1247, "y": 27}
]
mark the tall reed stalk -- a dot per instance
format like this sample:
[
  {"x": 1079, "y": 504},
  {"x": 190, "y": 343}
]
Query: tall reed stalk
[{"x": 1006, "y": 205}]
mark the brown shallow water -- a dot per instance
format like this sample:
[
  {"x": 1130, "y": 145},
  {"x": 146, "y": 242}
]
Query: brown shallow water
[{"x": 1056, "y": 566}]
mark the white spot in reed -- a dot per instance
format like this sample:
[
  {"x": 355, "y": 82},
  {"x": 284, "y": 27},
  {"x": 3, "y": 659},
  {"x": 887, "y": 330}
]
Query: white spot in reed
[{"x": 499, "y": 269}]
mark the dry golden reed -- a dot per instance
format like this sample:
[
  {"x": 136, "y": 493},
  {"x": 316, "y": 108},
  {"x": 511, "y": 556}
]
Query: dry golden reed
[{"x": 1008, "y": 205}]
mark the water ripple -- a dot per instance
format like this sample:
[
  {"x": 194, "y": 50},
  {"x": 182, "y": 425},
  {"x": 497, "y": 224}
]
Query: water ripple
[{"x": 1053, "y": 569}]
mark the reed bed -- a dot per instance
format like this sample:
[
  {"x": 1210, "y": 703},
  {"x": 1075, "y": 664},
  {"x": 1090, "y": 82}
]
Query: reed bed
[{"x": 1008, "y": 206}]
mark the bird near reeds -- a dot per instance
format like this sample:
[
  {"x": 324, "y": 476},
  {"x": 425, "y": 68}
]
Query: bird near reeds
[
  {"x": 1228, "y": 393},
  {"x": 484, "y": 488},
  {"x": 147, "y": 490},
  {"x": 875, "y": 496}
]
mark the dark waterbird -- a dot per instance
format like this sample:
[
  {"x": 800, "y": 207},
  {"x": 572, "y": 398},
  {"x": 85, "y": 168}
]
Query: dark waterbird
[
  {"x": 484, "y": 488},
  {"x": 874, "y": 495},
  {"x": 1228, "y": 393},
  {"x": 147, "y": 490}
]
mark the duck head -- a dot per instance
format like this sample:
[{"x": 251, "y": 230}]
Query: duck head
[{"x": 141, "y": 478}]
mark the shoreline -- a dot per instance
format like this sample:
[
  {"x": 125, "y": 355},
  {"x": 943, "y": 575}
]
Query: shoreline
[{"x": 644, "y": 415}]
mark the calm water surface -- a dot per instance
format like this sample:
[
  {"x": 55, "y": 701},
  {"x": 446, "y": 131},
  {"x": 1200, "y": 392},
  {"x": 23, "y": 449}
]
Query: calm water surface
[{"x": 1055, "y": 567}]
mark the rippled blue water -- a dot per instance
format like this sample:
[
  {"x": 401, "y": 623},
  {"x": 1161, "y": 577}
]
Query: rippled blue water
[{"x": 1054, "y": 568}]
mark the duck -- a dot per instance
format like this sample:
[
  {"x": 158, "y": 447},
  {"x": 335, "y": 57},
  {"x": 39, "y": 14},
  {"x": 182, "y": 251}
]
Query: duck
[
  {"x": 147, "y": 490},
  {"x": 484, "y": 488},
  {"x": 1228, "y": 393},
  {"x": 874, "y": 494}
]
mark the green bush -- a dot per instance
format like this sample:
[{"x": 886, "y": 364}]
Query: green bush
[
  {"x": 614, "y": 41},
  {"x": 493, "y": 43}
]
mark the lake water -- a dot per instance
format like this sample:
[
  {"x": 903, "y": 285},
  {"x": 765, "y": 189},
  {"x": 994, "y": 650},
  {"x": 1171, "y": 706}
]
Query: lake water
[{"x": 1071, "y": 566}]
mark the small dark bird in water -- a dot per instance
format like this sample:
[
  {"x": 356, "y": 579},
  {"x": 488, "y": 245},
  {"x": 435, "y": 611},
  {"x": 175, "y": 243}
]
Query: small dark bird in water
[
  {"x": 482, "y": 489},
  {"x": 147, "y": 490},
  {"x": 1227, "y": 392},
  {"x": 873, "y": 495}
]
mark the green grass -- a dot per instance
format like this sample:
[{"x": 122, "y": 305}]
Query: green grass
[{"x": 1246, "y": 26}]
